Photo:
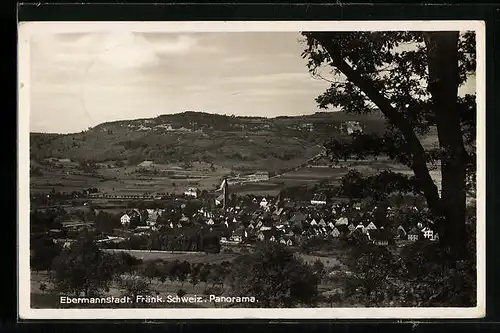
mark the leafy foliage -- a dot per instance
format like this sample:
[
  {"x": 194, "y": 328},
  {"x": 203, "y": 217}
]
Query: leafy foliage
[
  {"x": 420, "y": 276},
  {"x": 275, "y": 277},
  {"x": 411, "y": 79},
  {"x": 134, "y": 285},
  {"x": 84, "y": 268},
  {"x": 44, "y": 250}
]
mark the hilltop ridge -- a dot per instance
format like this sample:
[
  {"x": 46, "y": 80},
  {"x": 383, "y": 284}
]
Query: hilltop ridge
[{"x": 199, "y": 136}]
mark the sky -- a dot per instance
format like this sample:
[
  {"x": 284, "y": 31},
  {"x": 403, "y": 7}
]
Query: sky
[
  {"x": 79, "y": 80},
  {"x": 84, "y": 79}
]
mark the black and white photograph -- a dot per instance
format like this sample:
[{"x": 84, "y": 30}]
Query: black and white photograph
[{"x": 205, "y": 170}]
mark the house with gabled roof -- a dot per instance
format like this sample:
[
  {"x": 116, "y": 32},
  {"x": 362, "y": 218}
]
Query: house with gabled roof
[
  {"x": 358, "y": 233},
  {"x": 361, "y": 227},
  {"x": 401, "y": 230},
  {"x": 335, "y": 233},
  {"x": 414, "y": 234},
  {"x": 427, "y": 232},
  {"x": 278, "y": 211},
  {"x": 400, "y": 233},
  {"x": 125, "y": 220}
]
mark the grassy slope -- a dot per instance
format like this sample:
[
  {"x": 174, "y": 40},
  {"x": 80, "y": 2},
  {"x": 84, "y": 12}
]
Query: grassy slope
[{"x": 227, "y": 141}]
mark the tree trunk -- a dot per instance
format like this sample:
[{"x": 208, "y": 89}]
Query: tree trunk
[
  {"x": 442, "y": 53},
  {"x": 415, "y": 147}
]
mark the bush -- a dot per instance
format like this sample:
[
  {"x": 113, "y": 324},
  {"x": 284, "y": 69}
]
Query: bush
[
  {"x": 275, "y": 277},
  {"x": 133, "y": 285},
  {"x": 421, "y": 276},
  {"x": 181, "y": 292}
]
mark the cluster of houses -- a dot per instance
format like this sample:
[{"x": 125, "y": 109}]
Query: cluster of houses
[{"x": 289, "y": 223}]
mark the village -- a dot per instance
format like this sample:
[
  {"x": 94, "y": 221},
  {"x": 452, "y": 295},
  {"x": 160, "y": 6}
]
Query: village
[{"x": 243, "y": 222}]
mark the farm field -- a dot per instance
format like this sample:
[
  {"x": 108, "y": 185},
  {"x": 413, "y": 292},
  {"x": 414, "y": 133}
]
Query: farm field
[
  {"x": 191, "y": 257},
  {"x": 61, "y": 181},
  {"x": 50, "y": 299},
  {"x": 125, "y": 180},
  {"x": 217, "y": 258}
]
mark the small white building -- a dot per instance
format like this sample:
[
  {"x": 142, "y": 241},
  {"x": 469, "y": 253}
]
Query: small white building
[
  {"x": 146, "y": 164},
  {"x": 318, "y": 200},
  {"x": 191, "y": 192},
  {"x": 428, "y": 233},
  {"x": 125, "y": 219},
  {"x": 263, "y": 203}
]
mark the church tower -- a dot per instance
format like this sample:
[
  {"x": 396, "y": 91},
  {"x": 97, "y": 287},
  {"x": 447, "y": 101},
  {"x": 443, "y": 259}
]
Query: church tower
[{"x": 225, "y": 193}]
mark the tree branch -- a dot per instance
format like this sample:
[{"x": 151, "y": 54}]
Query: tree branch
[{"x": 366, "y": 85}]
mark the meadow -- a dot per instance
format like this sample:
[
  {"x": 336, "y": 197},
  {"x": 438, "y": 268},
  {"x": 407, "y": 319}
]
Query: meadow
[
  {"x": 44, "y": 296},
  {"x": 191, "y": 257}
]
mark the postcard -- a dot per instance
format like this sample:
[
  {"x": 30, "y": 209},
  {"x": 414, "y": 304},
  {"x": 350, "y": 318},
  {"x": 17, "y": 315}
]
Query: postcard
[{"x": 251, "y": 170}]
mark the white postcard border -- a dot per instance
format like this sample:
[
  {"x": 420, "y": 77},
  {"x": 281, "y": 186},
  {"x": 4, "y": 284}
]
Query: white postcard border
[{"x": 27, "y": 29}]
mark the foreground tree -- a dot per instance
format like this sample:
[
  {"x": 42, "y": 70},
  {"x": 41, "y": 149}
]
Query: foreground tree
[
  {"x": 133, "y": 285},
  {"x": 43, "y": 252},
  {"x": 412, "y": 79},
  {"x": 275, "y": 277},
  {"x": 84, "y": 268},
  {"x": 414, "y": 278}
]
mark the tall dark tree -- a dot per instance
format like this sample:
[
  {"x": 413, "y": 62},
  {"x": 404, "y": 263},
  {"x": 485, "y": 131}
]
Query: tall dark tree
[
  {"x": 275, "y": 277},
  {"x": 43, "y": 252},
  {"x": 412, "y": 80},
  {"x": 84, "y": 268}
]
